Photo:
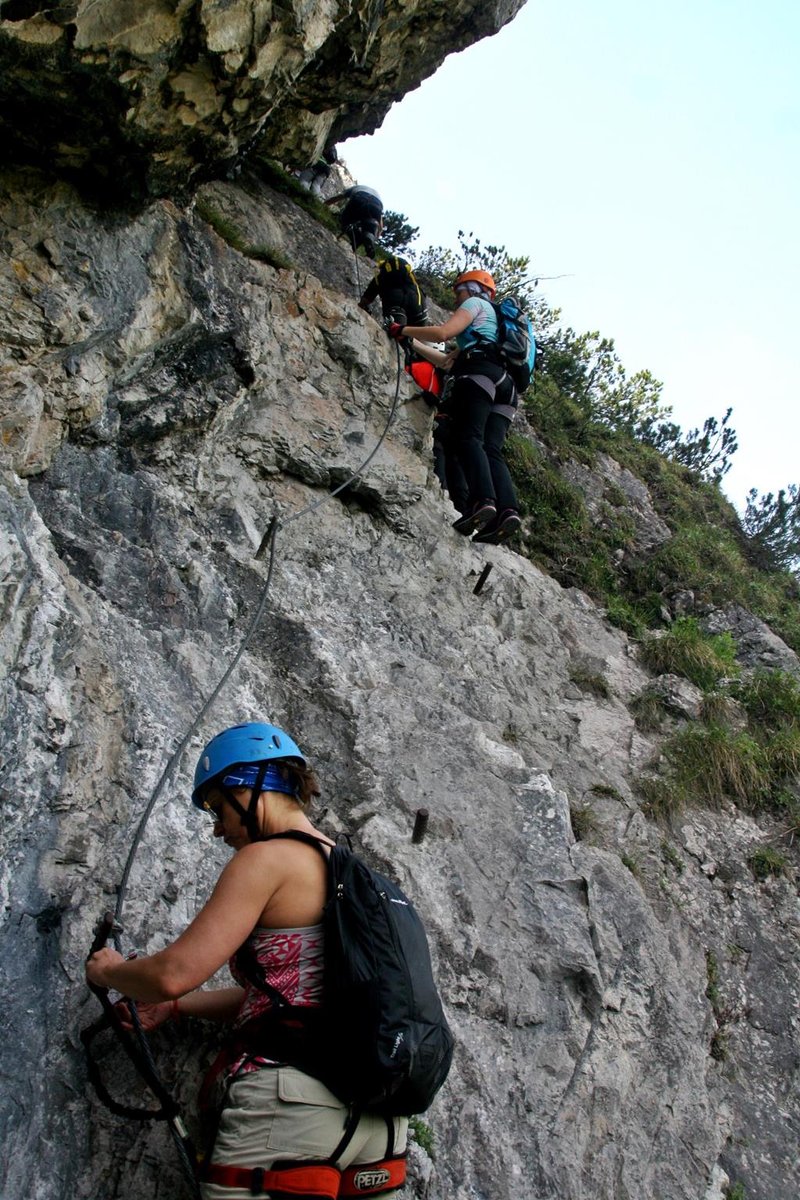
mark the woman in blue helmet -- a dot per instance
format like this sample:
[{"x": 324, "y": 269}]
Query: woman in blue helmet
[{"x": 280, "y": 1129}]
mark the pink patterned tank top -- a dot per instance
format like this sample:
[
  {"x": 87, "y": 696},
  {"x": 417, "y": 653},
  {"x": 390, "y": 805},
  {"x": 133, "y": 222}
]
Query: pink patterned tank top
[{"x": 292, "y": 961}]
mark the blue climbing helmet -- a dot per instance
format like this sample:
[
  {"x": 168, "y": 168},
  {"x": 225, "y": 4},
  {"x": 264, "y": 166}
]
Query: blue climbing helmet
[{"x": 246, "y": 748}]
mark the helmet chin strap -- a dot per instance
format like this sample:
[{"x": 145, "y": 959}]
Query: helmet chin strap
[
  {"x": 248, "y": 816},
  {"x": 250, "y": 820}
]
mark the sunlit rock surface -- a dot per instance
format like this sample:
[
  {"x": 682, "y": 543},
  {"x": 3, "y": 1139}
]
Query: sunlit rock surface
[{"x": 162, "y": 396}]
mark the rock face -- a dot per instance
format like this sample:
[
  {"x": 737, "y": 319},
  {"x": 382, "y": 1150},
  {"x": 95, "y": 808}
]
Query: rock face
[
  {"x": 609, "y": 485},
  {"x": 757, "y": 645},
  {"x": 142, "y": 96},
  {"x": 626, "y": 1006}
]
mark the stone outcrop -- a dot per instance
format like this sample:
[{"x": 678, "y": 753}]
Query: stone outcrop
[
  {"x": 607, "y": 486},
  {"x": 625, "y": 1004},
  {"x": 144, "y": 96},
  {"x": 756, "y": 644}
]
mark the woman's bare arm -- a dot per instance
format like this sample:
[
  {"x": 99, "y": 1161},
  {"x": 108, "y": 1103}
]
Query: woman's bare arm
[
  {"x": 233, "y": 910},
  {"x": 454, "y": 325},
  {"x": 215, "y": 1004},
  {"x": 439, "y": 358}
]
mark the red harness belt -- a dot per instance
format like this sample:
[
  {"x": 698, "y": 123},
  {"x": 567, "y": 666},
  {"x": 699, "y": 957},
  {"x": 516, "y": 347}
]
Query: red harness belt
[
  {"x": 372, "y": 1179},
  {"x": 312, "y": 1181},
  {"x": 307, "y": 1181}
]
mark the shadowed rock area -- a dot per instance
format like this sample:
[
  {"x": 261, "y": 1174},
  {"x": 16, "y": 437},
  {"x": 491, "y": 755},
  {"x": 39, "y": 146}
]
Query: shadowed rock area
[
  {"x": 140, "y": 97},
  {"x": 163, "y": 396}
]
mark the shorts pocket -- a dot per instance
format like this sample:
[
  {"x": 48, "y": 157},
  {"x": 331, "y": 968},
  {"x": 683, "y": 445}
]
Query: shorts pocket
[
  {"x": 308, "y": 1119},
  {"x": 295, "y": 1087}
]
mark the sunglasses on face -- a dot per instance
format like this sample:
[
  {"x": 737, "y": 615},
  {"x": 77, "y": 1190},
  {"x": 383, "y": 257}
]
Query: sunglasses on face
[{"x": 213, "y": 810}]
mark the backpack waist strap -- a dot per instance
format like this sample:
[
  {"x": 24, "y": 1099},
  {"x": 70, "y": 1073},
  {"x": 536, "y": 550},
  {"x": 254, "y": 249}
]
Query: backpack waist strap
[{"x": 486, "y": 350}]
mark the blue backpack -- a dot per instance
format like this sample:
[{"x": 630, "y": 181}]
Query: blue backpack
[{"x": 515, "y": 342}]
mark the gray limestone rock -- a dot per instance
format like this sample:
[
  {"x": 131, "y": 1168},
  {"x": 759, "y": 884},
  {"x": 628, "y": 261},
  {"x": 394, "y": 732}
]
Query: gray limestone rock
[
  {"x": 607, "y": 486},
  {"x": 141, "y": 97},
  {"x": 756, "y": 644},
  {"x": 162, "y": 397},
  {"x": 676, "y": 695}
]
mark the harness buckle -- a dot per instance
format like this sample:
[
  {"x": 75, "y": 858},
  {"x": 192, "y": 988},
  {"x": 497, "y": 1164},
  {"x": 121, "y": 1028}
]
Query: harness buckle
[{"x": 257, "y": 1181}]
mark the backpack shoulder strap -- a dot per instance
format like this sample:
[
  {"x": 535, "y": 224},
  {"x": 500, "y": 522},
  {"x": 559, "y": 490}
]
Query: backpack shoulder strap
[
  {"x": 298, "y": 835},
  {"x": 253, "y": 972},
  {"x": 246, "y": 960}
]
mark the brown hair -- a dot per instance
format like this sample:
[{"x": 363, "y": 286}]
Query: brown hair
[{"x": 303, "y": 779}]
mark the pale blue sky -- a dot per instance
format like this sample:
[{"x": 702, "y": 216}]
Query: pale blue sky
[{"x": 655, "y": 161}]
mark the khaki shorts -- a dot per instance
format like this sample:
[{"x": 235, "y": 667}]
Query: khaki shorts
[{"x": 280, "y": 1113}]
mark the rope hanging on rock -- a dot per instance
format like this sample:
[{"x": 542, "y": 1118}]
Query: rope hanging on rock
[
  {"x": 355, "y": 256},
  {"x": 270, "y": 540}
]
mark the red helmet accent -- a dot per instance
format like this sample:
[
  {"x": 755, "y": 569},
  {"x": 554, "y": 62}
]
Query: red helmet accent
[{"x": 481, "y": 277}]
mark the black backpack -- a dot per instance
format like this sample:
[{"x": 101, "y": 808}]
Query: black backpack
[
  {"x": 396, "y": 272},
  {"x": 381, "y": 1041}
]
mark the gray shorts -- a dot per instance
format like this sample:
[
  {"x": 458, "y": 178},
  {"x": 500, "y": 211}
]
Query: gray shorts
[{"x": 280, "y": 1113}]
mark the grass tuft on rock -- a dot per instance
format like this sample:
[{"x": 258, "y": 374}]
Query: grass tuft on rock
[
  {"x": 683, "y": 649},
  {"x": 230, "y": 233},
  {"x": 712, "y": 762},
  {"x": 423, "y": 1135},
  {"x": 766, "y": 861}
]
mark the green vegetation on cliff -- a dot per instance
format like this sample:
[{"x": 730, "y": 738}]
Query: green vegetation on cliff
[
  {"x": 583, "y": 404},
  {"x": 657, "y": 558}
]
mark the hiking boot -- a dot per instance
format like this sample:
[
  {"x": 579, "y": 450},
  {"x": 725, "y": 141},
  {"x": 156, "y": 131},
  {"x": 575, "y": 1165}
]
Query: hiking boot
[
  {"x": 482, "y": 512},
  {"x": 501, "y": 529}
]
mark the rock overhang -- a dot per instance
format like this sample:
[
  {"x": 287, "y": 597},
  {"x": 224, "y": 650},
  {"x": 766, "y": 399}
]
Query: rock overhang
[{"x": 137, "y": 98}]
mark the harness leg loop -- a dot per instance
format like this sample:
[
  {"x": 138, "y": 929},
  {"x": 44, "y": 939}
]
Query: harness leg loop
[{"x": 281, "y": 1181}]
